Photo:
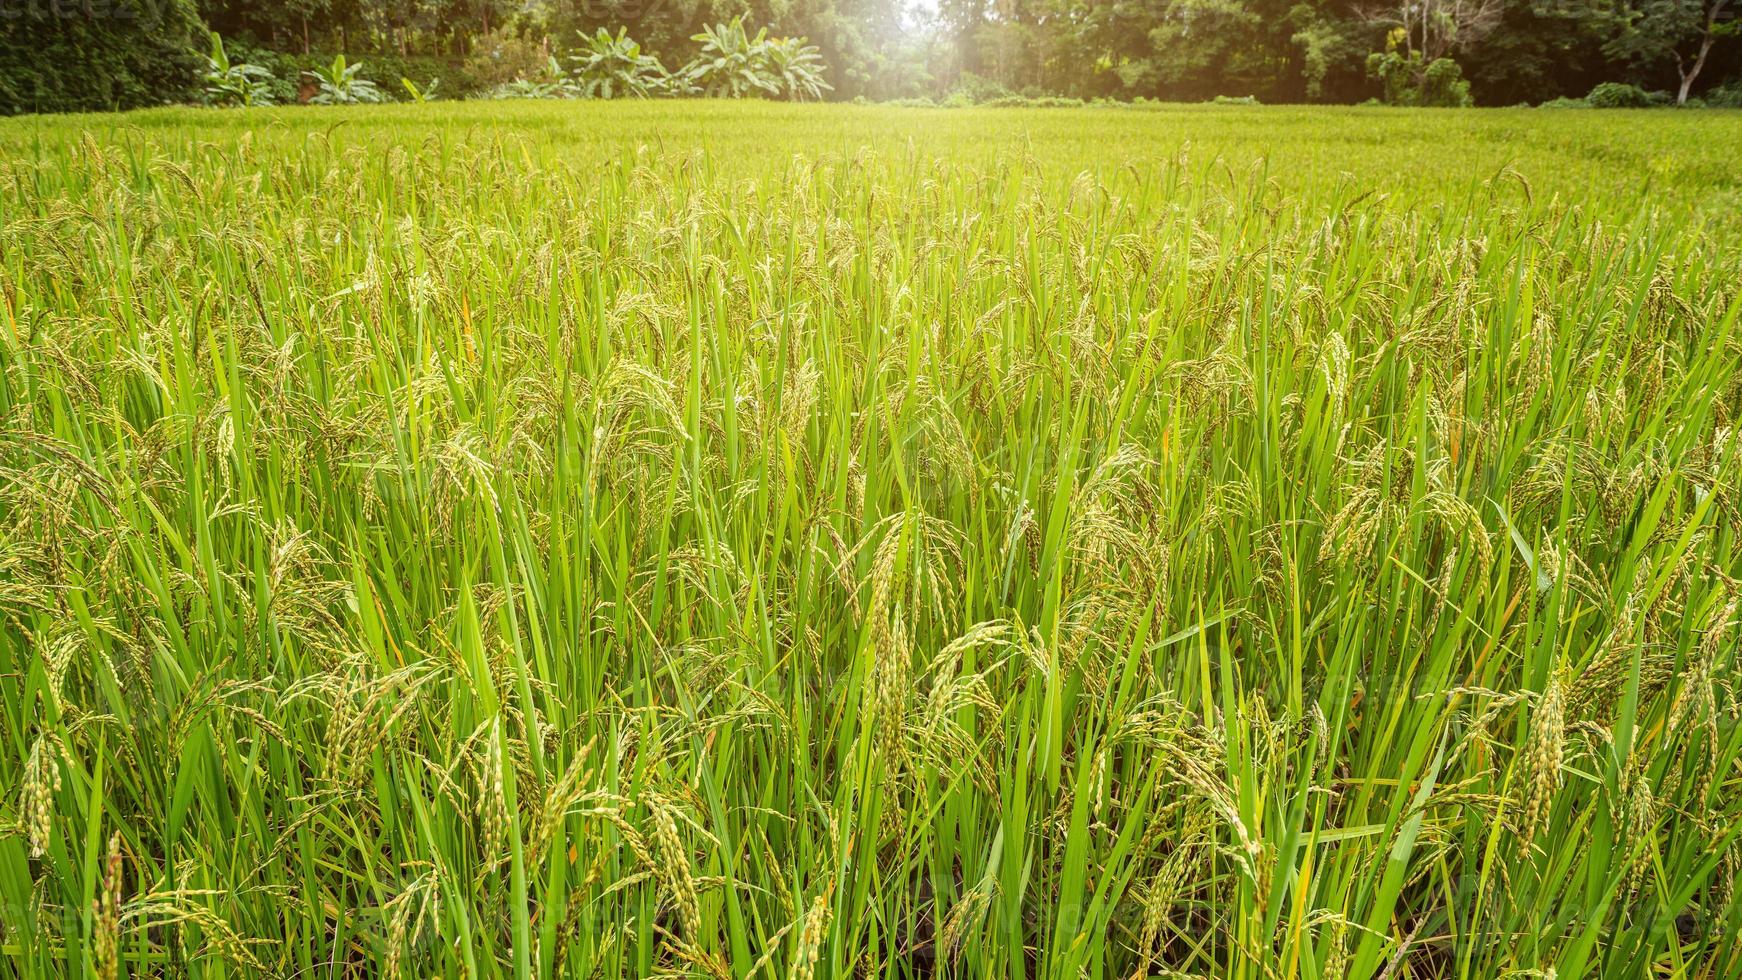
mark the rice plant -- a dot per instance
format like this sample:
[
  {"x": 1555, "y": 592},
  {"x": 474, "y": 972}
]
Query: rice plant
[{"x": 671, "y": 539}]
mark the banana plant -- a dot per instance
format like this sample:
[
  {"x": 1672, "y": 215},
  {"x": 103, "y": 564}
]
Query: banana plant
[
  {"x": 235, "y": 82},
  {"x": 611, "y": 67},
  {"x": 732, "y": 64},
  {"x": 420, "y": 94},
  {"x": 797, "y": 68},
  {"x": 549, "y": 83},
  {"x": 340, "y": 84}
]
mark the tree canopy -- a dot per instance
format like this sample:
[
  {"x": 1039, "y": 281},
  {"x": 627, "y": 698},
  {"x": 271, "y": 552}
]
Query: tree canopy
[{"x": 1427, "y": 52}]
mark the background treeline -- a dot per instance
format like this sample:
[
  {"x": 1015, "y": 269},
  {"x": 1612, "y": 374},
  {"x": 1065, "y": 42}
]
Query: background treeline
[{"x": 58, "y": 55}]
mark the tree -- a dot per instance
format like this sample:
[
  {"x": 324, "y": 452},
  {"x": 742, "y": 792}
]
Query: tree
[
  {"x": 99, "y": 55},
  {"x": 1436, "y": 29},
  {"x": 1333, "y": 52},
  {"x": 1410, "y": 80},
  {"x": 1543, "y": 49},
  {"x": 1416, "y": 67},
  {"x": 1195, "y": 40},
  {"x": 73, "y": 53},
  {"x": 1682, "y": 31},
  {"x": 1170, "y": 49}
]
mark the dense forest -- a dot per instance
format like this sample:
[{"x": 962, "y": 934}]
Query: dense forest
[{"x": 86, "y": 54}]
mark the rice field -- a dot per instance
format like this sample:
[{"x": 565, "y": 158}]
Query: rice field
[{"x": 578, "y": 540}]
